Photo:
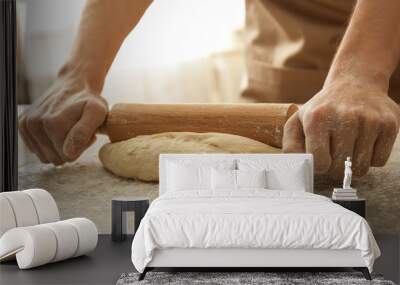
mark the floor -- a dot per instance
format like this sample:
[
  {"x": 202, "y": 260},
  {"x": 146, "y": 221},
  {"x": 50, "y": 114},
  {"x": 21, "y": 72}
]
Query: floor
[
  {"x": 103, "y": 266},
  {"x": 111, "y": 259}
]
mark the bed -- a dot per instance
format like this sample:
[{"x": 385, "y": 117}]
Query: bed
[{"x": 246, "y": 211}]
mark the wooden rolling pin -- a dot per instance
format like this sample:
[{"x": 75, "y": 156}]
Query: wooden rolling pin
[{"x": 260, "y": 121}]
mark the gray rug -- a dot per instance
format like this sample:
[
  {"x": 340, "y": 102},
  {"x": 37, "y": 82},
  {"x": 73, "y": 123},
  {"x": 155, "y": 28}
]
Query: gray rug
[{"x": 269, "y": 278}]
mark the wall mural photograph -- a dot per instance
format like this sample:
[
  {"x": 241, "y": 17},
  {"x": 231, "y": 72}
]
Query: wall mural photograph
[{"x": 204, "y": 142}]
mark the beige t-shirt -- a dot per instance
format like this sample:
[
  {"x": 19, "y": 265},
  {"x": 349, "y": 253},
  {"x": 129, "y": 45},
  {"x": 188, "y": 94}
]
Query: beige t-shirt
[{"x": 290, "y": 46}]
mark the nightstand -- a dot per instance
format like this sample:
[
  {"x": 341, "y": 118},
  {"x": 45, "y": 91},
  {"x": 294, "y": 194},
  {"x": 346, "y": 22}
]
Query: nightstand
[
  {"x": 357, "y": 206},
  {"x": 120, "y": 207}
]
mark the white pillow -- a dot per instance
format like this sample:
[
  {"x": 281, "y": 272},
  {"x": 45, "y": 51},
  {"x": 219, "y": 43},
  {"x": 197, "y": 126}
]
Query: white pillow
[
  {"x": 227, "y": 179},
  {"x": 223, "y": 179},
  {"x": 281, "y": 174},
  {"x": 187, "y": 174},
  {"x": 251, "y": 178},
  {"x": 188, "y": 177}
]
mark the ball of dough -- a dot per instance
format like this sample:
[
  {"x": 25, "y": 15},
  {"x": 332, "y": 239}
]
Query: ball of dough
[{"x": 138, "y": 157}]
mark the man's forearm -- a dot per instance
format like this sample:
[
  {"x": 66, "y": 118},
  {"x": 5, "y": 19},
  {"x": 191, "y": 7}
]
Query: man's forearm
[
  {"x": 103, "y": 27},
  {"x": 370, "y": 49}
]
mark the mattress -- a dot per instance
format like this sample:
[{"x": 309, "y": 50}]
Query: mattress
[{"x": 251, "y": 219}]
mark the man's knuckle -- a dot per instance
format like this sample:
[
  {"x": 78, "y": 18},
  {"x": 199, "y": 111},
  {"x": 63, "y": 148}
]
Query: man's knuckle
[
  {"x": 316, "y": 114},
  {"x": 324, "y": 108},
  {"x": 33, "y": 122},
  {"x": 98, "y": 107},
  {"x": 344, "y": 114},
  {"x": 371, "y": 121},
  {"x": 390, "y": 125}
]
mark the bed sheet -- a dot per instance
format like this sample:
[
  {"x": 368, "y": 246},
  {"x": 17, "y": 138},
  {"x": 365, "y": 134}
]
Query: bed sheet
[{"x": 251, "y": 218}]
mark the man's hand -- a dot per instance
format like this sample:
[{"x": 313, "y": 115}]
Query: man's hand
[
  {"x": 352, "y": 115},
  {"x": 63, "y": 123},
  {"x": 344, "y": 119}
]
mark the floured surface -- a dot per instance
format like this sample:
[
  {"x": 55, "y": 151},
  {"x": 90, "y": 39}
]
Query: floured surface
[{"x": 256, "y": 218}]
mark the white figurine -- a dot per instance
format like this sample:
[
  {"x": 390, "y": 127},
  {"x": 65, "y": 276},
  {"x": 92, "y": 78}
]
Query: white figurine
[{"x": 347, "y": 174}]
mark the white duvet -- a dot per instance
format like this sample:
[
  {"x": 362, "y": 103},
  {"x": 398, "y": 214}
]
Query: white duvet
[{"x": 250, "y": 219}]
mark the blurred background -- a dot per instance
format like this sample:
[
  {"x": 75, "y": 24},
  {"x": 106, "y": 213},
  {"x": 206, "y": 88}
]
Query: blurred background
[{"x": 182, "y": 51}]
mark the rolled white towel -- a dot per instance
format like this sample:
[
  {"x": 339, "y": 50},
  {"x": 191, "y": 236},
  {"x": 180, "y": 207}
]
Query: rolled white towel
[
  {"x": 67, "y": 239},
  {"x": 7, "y": 218},
  {"x": 87, "y": 235},
  {"x": 33, "y": 246},
  {"x": 46, "y": 207},
  {"x": 26, "y": 208},
  {"x": 40, "y": 244},
  {"x": 23, "y": 208}
]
